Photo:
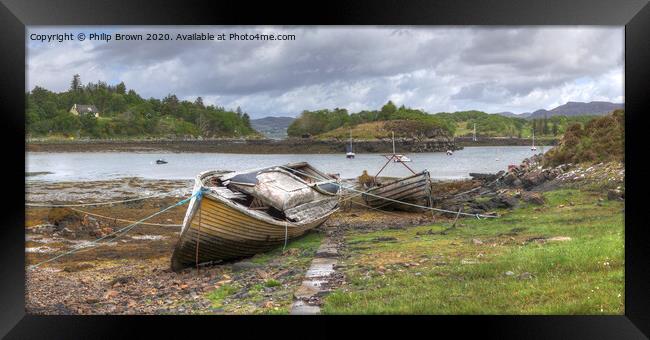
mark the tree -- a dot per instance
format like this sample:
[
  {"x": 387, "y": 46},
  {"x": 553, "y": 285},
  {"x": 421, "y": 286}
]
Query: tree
[
  {"x": 199, "y": 102},
  {"x": 120, "y": 88},
  {"x": 75, "y": 85},
  {"x": 388, "y": 110}
]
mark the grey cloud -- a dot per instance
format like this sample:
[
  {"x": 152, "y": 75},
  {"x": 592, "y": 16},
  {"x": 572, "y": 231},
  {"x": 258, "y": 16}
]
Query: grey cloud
[{"x": 436, "y": 69}]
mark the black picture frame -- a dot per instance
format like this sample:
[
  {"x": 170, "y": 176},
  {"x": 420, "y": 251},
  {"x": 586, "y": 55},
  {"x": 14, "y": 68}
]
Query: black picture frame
[{"x": 15, "y": 15}]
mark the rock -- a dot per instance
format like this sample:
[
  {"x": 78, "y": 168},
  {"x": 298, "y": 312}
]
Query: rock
[
  {"x": 509, "y": 273},
  {"x": 525, "y": 276},
  {"x": 77, "y": 267},
  {"x": 510, "y": 178},
  {"x": 111, "y": 294},
  {"x": 504, "y": 201},
  {"x": 476, "y": 241},
  {"x": 614, "y": 195},
  {"x": 244, "y": 265},
  {"x": 559, "y": 238},
  {"x": 121, "y": 280},
  {"x": 533, "y": 198},
  {"x": 384, "y": 239}
]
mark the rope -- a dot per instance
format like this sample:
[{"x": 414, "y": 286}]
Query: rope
[
  {"x": 124, "y": 230},
  {"x": 123, "y": 220},
  {"x": 92, "y": 204},
  {"x": 286, "y": 234},
  {"x": 401, "y": 202},
  {"x": 198, "y": 238}
]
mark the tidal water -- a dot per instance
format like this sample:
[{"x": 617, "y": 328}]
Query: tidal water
[{"x": 92, "y": 166}]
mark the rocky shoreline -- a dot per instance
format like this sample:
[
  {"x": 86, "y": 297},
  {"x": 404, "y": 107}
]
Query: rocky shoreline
[
  {"x": 501, "y": 141},
  {"x": 250, "y": 146}
]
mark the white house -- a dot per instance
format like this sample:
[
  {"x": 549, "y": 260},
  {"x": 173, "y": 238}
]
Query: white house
[{"x": 84, "y": 109}]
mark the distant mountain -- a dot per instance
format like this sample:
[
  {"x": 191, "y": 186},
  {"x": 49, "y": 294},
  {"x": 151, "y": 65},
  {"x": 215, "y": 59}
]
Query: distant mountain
[
  {"x": 578, "y": 109},
  {"x": 272, "y": 127},
  {"x": 510, "y": 114}
]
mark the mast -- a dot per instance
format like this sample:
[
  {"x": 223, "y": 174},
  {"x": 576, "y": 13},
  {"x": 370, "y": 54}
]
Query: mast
[
  {"x": 351, "y": 140},
  {"x": 393, "y": 142},
  {"x": 475, "y": 132}
]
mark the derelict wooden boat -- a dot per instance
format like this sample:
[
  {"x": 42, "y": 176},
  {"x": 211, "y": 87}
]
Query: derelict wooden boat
[
  {"x": 415, "y": 189},
  {"x": 244, "y": 213}
]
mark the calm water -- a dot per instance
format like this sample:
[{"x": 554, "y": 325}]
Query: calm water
[{"x": 111, "y": 165}]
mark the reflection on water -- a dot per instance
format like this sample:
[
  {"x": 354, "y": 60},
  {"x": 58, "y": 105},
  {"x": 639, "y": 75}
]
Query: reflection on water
[{"x": 86, "y": 166}]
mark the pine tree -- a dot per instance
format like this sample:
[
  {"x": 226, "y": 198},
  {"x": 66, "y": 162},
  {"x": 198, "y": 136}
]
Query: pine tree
[
  {"x": 199, "y": 102},
  {"x": 75, "y": 85}
]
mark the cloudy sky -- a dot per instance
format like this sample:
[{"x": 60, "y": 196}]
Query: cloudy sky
[{"x": 516, "y": 69}]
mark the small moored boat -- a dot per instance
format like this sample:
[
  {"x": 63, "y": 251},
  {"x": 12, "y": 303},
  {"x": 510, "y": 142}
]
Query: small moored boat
[
  {"x": 240, "y": 214},
  {"x": 412, "y": 193},
  {"x": 350, "y": 154},
  {"x": 161, "y": 161},
  {"x": 415, "y": 189}
]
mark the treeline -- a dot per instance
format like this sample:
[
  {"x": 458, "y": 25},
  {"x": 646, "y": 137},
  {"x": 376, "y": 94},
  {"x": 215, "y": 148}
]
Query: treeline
[
  {"x": 312, "y": 123},
  {"x": 124, "y": 113},
  {"x": 460, "y": 123},
  {"x": 599, "y": 140}
]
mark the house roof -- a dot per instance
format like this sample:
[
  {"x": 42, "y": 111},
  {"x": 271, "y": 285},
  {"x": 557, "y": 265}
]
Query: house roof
[{"x": 86, "y": 108}]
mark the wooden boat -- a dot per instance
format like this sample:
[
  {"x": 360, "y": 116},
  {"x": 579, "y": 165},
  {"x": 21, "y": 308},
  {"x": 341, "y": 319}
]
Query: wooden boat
[
  {"x": 240, "y": 214},
  {"x": 415, "y": 189}
]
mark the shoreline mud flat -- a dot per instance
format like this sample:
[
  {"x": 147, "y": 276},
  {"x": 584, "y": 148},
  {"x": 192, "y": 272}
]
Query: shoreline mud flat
[{"x": 130, "y": 274}]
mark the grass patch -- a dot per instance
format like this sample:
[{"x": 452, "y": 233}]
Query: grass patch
[
  {"x": 300, "y": 248},
  {"x": 272, "y": 283},
  {"x": 263, "y": 294},
  {"x": 218, "y": 295},
  {"x": 494, "y": 266}
]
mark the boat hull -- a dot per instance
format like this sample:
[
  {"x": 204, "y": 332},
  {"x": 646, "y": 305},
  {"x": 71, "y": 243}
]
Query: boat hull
[
  {"x": 222, "y": 231},
  {"x": 414, "y": 190}
]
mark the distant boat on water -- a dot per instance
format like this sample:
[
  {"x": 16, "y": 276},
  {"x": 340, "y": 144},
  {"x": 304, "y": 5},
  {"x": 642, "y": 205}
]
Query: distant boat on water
[
  {"x": 350, "y": 154},
  {"x": 398, "y": 158},
  {"x": 533, "y": 148},
  {"x": 161, "y": 161}
]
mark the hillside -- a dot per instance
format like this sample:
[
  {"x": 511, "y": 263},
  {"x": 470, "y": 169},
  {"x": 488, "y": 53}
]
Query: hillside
[
  {"x": 384, "y": 129},
  {"x": 600, "y": 140},
  {"x": 272, "y": 127},
  {"x": 124, "y": 113},
  {"x": 577, "y": 109},
  {"x": 319, "y": 123}
]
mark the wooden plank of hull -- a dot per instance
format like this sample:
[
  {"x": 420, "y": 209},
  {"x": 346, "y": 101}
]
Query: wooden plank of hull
[
  {"x": 226, "y": 234},
  {"x": 414, "y": 190}
]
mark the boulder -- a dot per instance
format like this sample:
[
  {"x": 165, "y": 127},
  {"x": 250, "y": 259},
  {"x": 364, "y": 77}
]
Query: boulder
[
  {"x": 614, "y": 194},
  {"x": 533, "y": 198}
]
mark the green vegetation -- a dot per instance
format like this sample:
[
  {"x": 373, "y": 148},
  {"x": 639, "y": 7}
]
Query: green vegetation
[
  {"x": 125, "y": 114},
  {"x": 312, "y": 123},
  {"x": 566, "y": 257},
  {"x": 272, "y": 293},
  {"x": 407, "y": 122},
  {"x": 600, "y": 140}
]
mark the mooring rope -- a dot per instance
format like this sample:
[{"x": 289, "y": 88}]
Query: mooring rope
[
  {"x": 124, "y": 230},
  {"x": 400, "y": 202},
  {"x": 123, "y": 220},
  {"x": 91, "y": 204}
]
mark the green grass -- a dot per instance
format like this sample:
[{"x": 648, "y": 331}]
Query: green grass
[
  {"x": 305, "y": 245},
  {"x": 297, "y": 255},
  {"x": 450, "y": 274},
  {"x": 218, "y": 295}
]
